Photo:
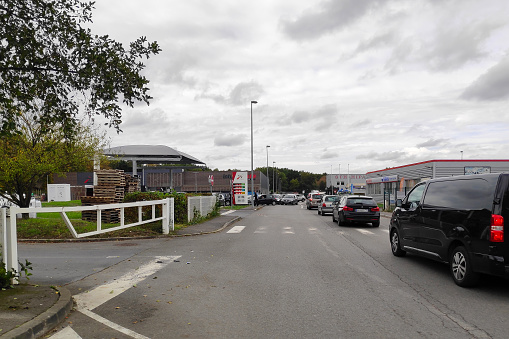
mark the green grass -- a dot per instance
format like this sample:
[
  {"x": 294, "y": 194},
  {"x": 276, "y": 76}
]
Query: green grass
[
  {"x": 52, "y": 226},
  {"x": 234, "y": 207}
]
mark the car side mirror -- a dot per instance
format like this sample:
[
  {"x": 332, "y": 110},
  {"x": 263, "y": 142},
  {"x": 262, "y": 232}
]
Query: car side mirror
[{"x": 399, "y": 203}]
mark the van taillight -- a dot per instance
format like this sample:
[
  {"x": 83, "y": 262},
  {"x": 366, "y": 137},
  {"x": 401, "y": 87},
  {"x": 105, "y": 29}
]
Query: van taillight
[{"x": 497, "y": 228}]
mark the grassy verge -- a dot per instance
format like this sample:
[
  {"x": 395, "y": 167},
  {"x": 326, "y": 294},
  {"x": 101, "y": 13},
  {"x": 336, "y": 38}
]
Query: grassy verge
[{"x": 52, "y": 226}]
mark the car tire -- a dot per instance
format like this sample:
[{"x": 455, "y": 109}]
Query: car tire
[
  {"x": 318, "y": 211},
  {"x": 333, "y": 219},
  {"x": 340, "y": 223},
  {"x": 376, "y": 223},
  {"x": 461, "y": 268},
  {"x": 273, "y": 203},
  {"x": 308, "y": 207},
  {"x": 396, "y": 244}
]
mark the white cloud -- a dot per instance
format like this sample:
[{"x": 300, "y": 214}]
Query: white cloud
[{"x": 368, "y": 84}]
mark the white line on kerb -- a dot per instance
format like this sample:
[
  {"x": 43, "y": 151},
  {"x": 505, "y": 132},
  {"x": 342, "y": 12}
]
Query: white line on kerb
[{"x": 89, "y": 300}]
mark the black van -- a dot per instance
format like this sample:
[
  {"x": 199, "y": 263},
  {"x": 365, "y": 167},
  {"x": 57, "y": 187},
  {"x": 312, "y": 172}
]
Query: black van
[{"x": 458, "y": 220}]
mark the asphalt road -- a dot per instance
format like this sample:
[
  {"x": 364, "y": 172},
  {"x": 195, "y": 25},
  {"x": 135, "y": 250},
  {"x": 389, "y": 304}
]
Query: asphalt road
[{"x": 281, "y": 272}]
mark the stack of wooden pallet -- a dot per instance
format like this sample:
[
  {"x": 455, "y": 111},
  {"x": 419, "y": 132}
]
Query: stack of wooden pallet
[
  {"x": 132, "y": 184},
  {"x": 110, "y": 188}
]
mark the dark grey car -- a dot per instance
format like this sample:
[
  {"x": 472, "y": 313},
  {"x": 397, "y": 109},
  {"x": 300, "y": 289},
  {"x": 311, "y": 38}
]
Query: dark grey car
[{"x": 356, "y": 208}]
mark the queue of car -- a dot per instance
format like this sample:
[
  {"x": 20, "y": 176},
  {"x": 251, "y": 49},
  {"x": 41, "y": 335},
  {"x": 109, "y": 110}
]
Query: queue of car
[{"x": 455, "y": 220}]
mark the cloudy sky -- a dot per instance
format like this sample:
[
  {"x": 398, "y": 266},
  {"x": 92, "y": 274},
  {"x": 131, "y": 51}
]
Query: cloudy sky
[{"x": 358, "y": 84}]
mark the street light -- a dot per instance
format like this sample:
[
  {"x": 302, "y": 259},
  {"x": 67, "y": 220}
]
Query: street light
[
  {"x": 268, "y": 184},
  {"x": 252, "y": 181},
  {"x": 273, "y": 182}
]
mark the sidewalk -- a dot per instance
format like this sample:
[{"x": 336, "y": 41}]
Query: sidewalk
[{"x": 30, "y": 311}]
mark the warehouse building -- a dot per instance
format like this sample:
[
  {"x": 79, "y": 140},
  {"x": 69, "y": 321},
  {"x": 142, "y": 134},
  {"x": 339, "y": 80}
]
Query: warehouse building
[{"x": 392, "y": 183}]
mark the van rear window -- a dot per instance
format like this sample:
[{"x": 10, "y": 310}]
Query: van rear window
[{"x": 463, "y": 194}]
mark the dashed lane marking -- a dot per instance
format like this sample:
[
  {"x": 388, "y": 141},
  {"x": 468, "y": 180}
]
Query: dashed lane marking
[{"x": 236, "y": 229}]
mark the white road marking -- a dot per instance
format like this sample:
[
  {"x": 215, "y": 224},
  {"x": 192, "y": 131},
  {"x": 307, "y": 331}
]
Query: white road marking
[
  {"x": 236, "y": 229},
  {"x": 261, "y": 229},
  {"x": 87, "y": 301},
  {"x": 114, "y": 326},
  {"x": 66, "y": 333},
  {"x": 288, "y": 230},
  {"x": 364, "y": 231},
  {"x": 102, "y": 293},
  {"x": 227, "y": 212},
  {"x": 386, "y": 231},
  {"x": 313, "y": 230}
]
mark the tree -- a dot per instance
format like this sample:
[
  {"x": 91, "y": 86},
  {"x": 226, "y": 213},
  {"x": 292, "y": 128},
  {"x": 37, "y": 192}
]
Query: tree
[
  {"x": 33, "y": 152},
  {"x": 50, "y": 64}
]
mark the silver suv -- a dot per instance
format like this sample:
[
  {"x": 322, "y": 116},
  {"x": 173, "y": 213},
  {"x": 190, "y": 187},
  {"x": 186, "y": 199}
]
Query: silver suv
[{"x": 313, "y": 200}]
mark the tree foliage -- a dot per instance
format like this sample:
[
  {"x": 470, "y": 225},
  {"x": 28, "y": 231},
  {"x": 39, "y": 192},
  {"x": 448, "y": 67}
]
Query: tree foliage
[
  {"x": 292, "y": 180},
  {"x": 33, "y": 152},
  {"x": 50, "y": 64}
]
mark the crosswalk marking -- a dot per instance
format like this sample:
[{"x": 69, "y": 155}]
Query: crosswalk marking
[
  {"x": 364, "y": 231},
  {"x": 236, "y": 229},
  {"x": 288, "y": 230}
]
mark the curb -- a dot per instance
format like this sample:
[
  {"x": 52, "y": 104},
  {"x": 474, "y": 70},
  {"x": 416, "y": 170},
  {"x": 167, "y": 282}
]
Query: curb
[
  {"x": 226, "y": 224},
  {"x": 45, "y": 321}
]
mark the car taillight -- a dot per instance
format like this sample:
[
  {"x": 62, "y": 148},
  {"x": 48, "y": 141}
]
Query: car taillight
[
  {"x": 375, "y": 209},
  {"x": 497, "y": 228},
  {"x": 347, "y": 208},
  {"x": 323, "y": 205}
]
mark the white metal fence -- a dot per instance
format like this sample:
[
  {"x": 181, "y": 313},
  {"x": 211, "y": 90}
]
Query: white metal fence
[
  {"x": 202, "y": 206},
  {"x": 9, "y": 240}
]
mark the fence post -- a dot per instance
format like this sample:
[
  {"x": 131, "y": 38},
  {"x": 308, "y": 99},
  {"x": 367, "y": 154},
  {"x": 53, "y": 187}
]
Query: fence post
[
  {"x": 165, "y": 207},
  {"x": 3, "y": 234},
  {"x": 11, "y": 260},
  {"x": 172, "y": 214}
]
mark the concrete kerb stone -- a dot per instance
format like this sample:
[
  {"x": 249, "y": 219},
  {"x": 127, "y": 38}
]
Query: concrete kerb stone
[{"x": 47, "y": 320}]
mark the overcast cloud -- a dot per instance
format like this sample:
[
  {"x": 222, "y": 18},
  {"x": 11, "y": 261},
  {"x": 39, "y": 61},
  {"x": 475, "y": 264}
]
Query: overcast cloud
[{"x": 365, "y": 84}]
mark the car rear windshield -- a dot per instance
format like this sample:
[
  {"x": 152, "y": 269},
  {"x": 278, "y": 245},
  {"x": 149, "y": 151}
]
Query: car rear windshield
[
  {"x": 316, "y": 196},
  {"x": 363, "y": 201},
  {"x": 331, "y": 198}
]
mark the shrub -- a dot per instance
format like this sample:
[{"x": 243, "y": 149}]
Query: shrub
[{"x": 180, "y": 200}]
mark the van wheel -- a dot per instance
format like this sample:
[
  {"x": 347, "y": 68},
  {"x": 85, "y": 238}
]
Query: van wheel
[
  {"x": 396, "y": 245},
  {"x": 461, "y": 268}
]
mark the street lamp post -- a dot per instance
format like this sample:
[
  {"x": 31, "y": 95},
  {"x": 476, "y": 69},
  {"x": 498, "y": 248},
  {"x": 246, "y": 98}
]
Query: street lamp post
[
  {"x": 268, "y": 184},
  {"x": 273, "y": 182},
  {"x": 252, "y": 177}
]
